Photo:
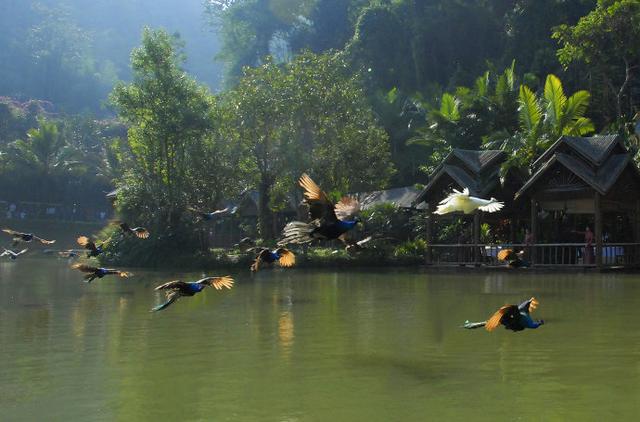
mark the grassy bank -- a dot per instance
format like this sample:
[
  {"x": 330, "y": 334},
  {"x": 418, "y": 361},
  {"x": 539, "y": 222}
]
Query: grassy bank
[{"x": 311, "y": 258}]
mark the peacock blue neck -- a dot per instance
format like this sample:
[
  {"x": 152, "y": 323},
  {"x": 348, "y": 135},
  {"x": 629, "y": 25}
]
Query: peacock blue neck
[
  {"x": 196, "y": 287},
  {"x": 347, "y": 224},
  {"x": 528, "y": 321}
]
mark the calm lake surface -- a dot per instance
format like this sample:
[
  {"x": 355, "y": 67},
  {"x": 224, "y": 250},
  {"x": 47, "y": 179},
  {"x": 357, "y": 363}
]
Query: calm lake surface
[{"x": 316, "y": 346}]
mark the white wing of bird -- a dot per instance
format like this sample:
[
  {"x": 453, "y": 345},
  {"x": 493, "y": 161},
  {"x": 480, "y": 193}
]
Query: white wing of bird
[{"x": 461, "y": 201}]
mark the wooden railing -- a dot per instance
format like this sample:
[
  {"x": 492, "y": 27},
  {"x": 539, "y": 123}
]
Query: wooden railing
[{"x": 541, "y": 255}]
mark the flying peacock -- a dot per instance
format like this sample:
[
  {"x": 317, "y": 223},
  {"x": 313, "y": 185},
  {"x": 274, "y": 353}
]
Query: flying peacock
[
  {"x": 513, "y": 317},
  {"x": 91, "y": 273},
  {"x": 512, "y": 258},
  {"x": 284, "y": 257},
  {"x": 26, "y": 237},
  {"x": 176, "y": 289},
  {"x": 328, "y": 221}
]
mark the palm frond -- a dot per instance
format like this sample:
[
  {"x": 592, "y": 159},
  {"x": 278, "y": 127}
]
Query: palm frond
[
  {"x": 555, "y": 100},
  {"x": 530, "y": 111}
]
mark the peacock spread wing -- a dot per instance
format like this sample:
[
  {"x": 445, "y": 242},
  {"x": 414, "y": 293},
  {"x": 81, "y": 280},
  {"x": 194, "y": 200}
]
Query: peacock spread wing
[
  {"x": 529, "y": 305},
  {"x": 218, "y": 283},
  {"x": 346, "y": 208},
  {"x": 172, "y": 285},
  {"x": 140, "y": 232},
  {"x": 85, "y": 242},
  {"x": 121, "y": 274},
  {"x": 506, "y": 255},
  {"x": 320, "y": 206},
  {"x": 260, "y": 258},
  {"x": 287, "y": 258},
  {"x": 12, "y": 232},
  {"x": 44, "y": 241},
  {"x": 496, "y": 318}
]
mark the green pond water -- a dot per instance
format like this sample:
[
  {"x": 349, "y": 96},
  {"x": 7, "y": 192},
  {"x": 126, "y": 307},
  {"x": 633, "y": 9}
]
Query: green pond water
[{"x": 294, "y": 345}]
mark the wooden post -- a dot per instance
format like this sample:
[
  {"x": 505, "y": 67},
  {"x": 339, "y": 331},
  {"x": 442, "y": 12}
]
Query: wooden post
[
  {"x": 598, "y": 229},
  {"x": 428, "y": 235},
  {"x": 476, "y": 237},
  {"x": 534, "y": 230}
]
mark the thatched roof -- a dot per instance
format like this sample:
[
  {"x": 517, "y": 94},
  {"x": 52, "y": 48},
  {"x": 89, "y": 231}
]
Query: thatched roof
[
  {"x": 477, "y": 161},
  {"x": 594, "y": 149},
  {"x": 597, "y": 162},
  {"x": 400, "y": 197},
  {"x": 476, "y": 170}
]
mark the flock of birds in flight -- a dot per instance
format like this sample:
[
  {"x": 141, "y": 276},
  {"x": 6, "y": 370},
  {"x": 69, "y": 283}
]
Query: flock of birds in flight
[{"x": 328, "y": 221}]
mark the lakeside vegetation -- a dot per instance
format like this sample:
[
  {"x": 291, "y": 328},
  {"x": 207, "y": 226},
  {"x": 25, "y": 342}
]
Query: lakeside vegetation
[{"x": 362, "y": 95}]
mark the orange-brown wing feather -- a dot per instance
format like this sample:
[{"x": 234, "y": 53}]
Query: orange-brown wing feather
[
  {"x": 219, "y": 282},
  {"x": 287, "y": 258},
  {"x": 83, "y": 240},
  {"x": 312, "y": 191},
  {"x": 347, "y": 207},
  {"x": 44, "y": 241},
  {"x": 141, "y": 232},
  {"x": 494, "y": 321},
  {"x": 11, "y": 232},
  {"x": 505, "y": 254},
  {"x": 534, "y": 304}
]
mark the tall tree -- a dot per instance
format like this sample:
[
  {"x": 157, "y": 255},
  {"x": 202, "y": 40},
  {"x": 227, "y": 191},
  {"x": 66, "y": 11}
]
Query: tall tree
[
  {"x": 607, "y": 41},
  {"x": 308, "y": 115},
  {"x": 175, "y": 157}
]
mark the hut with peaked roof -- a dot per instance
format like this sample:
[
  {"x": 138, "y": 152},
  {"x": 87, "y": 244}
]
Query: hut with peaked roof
[
  {"x": 584, "y": 182},
  {"x": 478, "y": 171},
  {"x": 403, "y": 197}
]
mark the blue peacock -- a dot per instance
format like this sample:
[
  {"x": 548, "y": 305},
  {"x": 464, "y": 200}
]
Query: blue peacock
[
  {"x": 513, "y": 317},
  {"x": 176, "y": 289},
  {"x": 328, "y": 221}
]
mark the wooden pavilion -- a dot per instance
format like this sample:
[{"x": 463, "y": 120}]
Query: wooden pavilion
[
  {"x": 578, "y": 182},
  {"x": 592, "y": 180},
  {"x": 478, "y": 171}
]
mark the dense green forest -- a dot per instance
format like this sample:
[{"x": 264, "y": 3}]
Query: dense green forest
[{"x": 362, "y": 94}]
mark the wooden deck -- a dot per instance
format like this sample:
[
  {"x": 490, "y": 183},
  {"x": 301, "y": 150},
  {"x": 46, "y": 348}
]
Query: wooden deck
[{"x": 551, "y": 255}]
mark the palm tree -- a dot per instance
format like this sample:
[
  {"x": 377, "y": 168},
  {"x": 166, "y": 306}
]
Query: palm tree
[
  {"x": 467, "y": 117},
  {"x": 542, "y": 120},
  {"x": 44, "y": 155}
]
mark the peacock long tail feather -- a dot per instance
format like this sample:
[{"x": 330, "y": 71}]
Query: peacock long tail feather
[
  {"x": 296, "y": 232},
  {"x": 473, "y": 325}
]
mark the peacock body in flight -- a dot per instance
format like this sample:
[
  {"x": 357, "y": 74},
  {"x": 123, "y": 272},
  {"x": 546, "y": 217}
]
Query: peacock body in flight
[
  {"x": 177, "y": 289},
  {"x": 91, "y": 273},
  {"x": 284, "y": 257},
  {"x": 19, "y": 237},
  {"x": 513, "y": 317},
  {"x": 328, "y": 221}
]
